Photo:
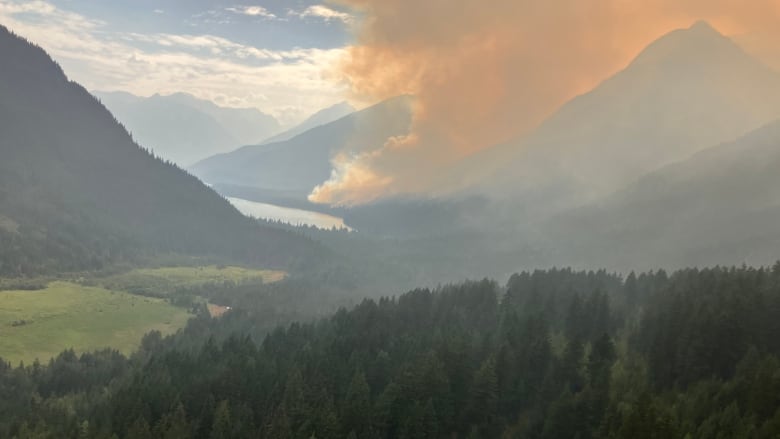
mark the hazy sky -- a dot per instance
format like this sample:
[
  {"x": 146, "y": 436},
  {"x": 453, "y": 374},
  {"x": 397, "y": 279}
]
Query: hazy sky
[{"x": 270, "y": 54}]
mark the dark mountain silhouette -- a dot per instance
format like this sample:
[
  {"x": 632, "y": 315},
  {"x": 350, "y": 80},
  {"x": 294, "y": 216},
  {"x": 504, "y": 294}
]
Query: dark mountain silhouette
[
  {"x": 721, "y": 206},
  {"x": 297, "y": 165},
  {"x": 184, "y": 129},
  {"x": 690, "y": 89},
  {"x": 77, "y": 193}
]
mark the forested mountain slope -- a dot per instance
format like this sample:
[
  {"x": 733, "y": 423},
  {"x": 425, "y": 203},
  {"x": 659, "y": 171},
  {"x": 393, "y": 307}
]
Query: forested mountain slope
[
  {"x": 721, "y": 206},
  {"x": 554, "y": 354},
  {"x": 76, "y": 192}
]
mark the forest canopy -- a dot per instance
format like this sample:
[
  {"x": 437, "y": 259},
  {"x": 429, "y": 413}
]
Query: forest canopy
[{"x": 553, "y": 354}]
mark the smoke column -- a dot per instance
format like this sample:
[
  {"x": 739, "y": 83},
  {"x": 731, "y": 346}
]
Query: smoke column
[{"x": 487, "y": 72}]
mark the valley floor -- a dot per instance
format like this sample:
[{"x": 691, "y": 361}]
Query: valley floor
[
  {"x": 41, "y": 324},
  {"x": 113, "y": 311}
]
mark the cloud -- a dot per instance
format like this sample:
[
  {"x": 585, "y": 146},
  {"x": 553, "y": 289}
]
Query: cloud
[
  {"x": 222, "y": 46},
  {"x": 252, "y": 11},
  {"x": 35, "y": 6},
  {"x": 46, "y": 12},
  {"x": 325, "y": 13},
  {"x": 485, "y": 73},
  {"x": 223, "y": 16},
  {"x": 288, "y": 84}
]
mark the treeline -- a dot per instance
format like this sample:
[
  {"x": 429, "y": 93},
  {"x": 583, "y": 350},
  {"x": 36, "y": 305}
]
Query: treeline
[{"x": 553, "y": 354}]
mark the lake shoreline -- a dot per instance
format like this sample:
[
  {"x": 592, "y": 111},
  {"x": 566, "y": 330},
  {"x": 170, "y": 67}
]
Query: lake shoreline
[{"x": 289, "y": 215}]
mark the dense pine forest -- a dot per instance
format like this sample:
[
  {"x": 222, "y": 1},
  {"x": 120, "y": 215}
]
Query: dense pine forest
[{"x": 553, "y": 354}]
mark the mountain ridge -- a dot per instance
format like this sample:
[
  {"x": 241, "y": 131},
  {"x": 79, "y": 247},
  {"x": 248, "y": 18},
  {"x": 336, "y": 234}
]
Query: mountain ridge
[
  {"x": 668, "y": 103},
  {"x": 77, "y": 193},
  {"x": 319, "y": 118},
  {"x": 720, "y": 206},
  {"x": 299, "y": 164},
  {"x": 185, "y": 129}
]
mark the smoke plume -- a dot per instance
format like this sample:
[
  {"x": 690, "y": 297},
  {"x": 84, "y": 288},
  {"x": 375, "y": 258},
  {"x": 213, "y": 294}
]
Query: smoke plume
[{"x": 487, "y": 72}]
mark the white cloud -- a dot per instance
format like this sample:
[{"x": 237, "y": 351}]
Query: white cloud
[
  {"x": 323, "y": 12},
  {"x": 252, "y": 11},
  {"x": 288, "y": 83},
  {"x": 45, "y": 10},
  {"x": 222, "y": 46},
  {"x": 36, "y": 6}
]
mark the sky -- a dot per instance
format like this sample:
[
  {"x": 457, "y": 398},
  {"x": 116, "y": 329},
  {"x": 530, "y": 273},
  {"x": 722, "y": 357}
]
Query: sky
[{"x": 275, "y": 55}]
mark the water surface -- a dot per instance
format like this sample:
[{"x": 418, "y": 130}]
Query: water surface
[{"x": 286, "y": 214}]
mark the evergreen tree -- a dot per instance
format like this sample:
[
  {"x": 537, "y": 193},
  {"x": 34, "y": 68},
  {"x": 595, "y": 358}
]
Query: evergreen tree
[
  {"x": 139, "y": 430},
  {"x": 173, "y": 425},
  {"x": 356, "y": 413},
  {"x": 221, "y": 427}
]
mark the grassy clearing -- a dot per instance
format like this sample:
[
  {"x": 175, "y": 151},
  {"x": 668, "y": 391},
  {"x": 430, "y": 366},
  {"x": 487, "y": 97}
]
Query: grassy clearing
[
  {"x": 167, "y": 280},
  {"x": 40, "y": 324},
  {"x": 39, "y": 319}
]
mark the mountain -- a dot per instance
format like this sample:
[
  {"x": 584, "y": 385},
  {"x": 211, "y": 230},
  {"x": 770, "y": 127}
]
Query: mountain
[
  {"x": 322, "y": 117},
  {"x": 184, "y": 129},
  {"x": 721, "y": 206},
  {"x": 247, "y": 125},
  {"x": 297, "y": 165},
  {"x": 77, "y": 193},
  {"x": 690, "y": 89}
]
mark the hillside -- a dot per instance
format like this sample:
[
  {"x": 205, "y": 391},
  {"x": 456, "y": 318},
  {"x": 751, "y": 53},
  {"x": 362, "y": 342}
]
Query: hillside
[
  {"x": 689, "y": 90},
  {"x": 322, "y": 117},
  {"x": 721, "y": 206},
  {"x": 77, "y": 193},
  {"x": 297, "y": 165},
  {"x": 184, "y": 129}
]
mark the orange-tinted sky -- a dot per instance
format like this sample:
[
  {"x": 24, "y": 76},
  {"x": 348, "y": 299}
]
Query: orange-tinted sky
[{"x": 485, "y": 72}]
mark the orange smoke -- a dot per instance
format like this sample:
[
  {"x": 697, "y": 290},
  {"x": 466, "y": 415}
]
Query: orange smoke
[{"x": 487, "y": 72}]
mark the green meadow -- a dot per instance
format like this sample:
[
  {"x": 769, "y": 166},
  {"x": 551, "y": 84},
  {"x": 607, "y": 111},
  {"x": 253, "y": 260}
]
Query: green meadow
[
  {"x": 114, "y": 311},
  {"x": 40, "y": 324}
]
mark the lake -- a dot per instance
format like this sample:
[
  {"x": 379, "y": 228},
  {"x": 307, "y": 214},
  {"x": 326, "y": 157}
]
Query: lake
[{"x": 287, "y": 215}]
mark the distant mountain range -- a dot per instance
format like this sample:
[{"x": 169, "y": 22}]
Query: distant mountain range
[
  {"x": 184, "y": 129},
  {"x": 672, "y": 161},
  {"x": 627, "y": 175},
  {"x": 77, "y": 193},
  {"x": 295, "y": 166},
  {"x": 689, "y": 90}
]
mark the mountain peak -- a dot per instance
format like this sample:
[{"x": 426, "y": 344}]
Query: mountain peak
[
  {"x": 693, "y": 45},
  {"x": 703, "y": 27}
]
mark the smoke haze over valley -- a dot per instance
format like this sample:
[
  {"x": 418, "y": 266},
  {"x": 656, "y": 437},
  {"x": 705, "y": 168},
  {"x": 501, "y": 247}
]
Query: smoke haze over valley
[{"x": 389, "y": 219}]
